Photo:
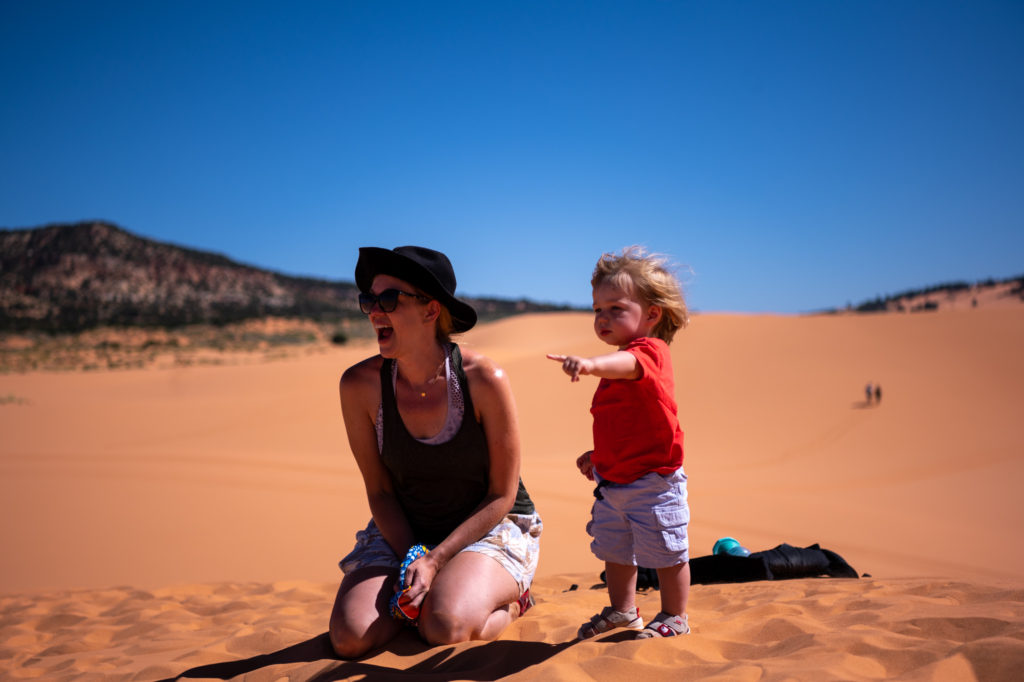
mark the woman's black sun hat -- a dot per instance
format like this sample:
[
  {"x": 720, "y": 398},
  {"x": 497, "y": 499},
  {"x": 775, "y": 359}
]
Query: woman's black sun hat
[{"x": 429, "y": 271}]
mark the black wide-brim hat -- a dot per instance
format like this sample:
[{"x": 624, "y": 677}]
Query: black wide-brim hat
[{"x": 429, "y": 271}]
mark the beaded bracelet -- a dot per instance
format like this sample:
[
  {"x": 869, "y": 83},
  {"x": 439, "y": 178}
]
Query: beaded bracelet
[{"x": 401, "y": 609}]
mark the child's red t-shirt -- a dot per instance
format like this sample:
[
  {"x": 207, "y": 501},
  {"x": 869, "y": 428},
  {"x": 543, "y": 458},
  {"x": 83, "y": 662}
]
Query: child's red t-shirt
[{"x": 636, "y": 427}]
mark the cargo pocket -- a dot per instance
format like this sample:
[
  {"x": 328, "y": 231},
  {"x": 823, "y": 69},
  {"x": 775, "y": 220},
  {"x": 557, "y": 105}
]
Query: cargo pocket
[{"x": 672, "y": 522}]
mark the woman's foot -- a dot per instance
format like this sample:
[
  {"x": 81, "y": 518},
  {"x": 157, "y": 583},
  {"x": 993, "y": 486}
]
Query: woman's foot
[
  {"x": 609, "y": 619},
  {"x": 524, "y": 602}
]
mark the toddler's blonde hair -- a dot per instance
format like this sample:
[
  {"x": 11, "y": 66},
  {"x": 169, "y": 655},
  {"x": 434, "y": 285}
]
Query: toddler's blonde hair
[{"x": 649, "y": 278}]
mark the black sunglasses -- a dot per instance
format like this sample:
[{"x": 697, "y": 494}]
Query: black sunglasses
[{"x": 387, "y": 300}]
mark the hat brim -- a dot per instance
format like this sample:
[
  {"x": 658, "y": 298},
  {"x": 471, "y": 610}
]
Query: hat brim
[{"x": 375, "y": 261}]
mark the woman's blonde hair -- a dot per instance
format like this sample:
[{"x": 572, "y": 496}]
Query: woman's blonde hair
[
  {"x": 445, "y": 322},
  {"x": 649, "y": 278},
  {"x": 445, "y": 325}
]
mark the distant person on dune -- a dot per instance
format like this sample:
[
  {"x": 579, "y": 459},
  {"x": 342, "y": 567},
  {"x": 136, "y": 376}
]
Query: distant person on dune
[
  {"x": 641, "y": 514},
  {"x": 878, "y": 394},
  {"x": 868, "y": 393},
  {"x": 454, "y": 540}
]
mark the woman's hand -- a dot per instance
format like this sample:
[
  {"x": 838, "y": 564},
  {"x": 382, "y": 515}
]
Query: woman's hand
[
  {"x": 585, "y": 465},
  {"x": 418, "y": 577}
]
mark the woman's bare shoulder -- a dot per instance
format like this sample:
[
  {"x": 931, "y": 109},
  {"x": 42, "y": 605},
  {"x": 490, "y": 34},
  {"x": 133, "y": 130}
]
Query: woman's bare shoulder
[
  {"x": 482, "y": 371},
  {"x": 362, "y": 374}
]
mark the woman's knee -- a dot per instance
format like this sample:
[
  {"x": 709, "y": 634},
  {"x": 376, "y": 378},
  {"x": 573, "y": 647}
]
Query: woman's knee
[
  {"x": 440, "y": 629},
  {"x": 346, "y": 642},
  {"x": 449, "y": 626},
  {"x": 359, "y": 619},
  {"x": 451, "y": 615}
]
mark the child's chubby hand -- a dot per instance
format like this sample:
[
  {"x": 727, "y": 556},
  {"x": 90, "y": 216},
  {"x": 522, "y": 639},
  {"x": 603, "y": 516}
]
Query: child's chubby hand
[
  {"x": 585, "y": 465},
  {"x": 573, "y": 365}
]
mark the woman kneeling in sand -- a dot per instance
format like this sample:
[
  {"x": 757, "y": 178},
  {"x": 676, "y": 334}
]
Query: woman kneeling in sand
[{"x": 454, "y": 539}]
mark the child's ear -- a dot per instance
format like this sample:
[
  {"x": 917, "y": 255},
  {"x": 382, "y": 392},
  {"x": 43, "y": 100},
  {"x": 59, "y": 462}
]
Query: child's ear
[{"x": 654, "y": 313}]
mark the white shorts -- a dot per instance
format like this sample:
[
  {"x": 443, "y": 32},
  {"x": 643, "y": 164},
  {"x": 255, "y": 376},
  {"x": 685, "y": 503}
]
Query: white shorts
[
  {"x": 514, "y": 543},
  {"x": 643, "y": 523}
]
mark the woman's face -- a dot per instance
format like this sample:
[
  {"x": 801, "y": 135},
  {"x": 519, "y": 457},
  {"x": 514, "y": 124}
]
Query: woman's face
[{"x": 403, "y": 324}]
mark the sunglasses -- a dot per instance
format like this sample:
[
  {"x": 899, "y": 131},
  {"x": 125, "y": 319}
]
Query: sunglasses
[{"x": 387, "y": 300}]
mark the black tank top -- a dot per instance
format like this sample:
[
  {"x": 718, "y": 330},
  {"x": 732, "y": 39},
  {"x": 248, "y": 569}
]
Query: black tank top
[{"x": 440, "y": 485}]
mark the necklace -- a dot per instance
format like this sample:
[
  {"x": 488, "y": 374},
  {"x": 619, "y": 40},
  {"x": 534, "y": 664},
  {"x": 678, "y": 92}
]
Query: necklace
[{"x": 437, "y": 376}]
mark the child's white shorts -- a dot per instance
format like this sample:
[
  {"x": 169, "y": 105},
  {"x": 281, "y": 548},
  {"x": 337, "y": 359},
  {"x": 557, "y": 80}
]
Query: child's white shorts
[{"x": 642, "y": 523}]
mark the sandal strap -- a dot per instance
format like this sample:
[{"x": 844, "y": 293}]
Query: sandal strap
[
  {"x": 666, "y": 625},
  {"x": 602, "y": 622},
  {"x": 525, "y": 601}
]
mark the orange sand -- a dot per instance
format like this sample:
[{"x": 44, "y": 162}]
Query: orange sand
[{"x": 234, "y": 486}]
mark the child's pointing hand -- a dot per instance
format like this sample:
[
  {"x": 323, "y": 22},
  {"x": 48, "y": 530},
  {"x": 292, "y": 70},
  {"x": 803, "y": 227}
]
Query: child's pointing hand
[{"x": 573, "y": 365}]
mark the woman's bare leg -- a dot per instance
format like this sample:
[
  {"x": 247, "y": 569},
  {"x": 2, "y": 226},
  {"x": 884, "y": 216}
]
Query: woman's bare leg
[
  {"x": 360, "y": 620},
  {"x": 469, "y": 599}
]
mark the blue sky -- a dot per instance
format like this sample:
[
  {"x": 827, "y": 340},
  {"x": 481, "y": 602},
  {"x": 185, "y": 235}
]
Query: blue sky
[{"x": 789, "y": 156}]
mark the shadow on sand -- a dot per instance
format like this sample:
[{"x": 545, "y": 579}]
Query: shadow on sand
[{"x": 487, "y": 661}]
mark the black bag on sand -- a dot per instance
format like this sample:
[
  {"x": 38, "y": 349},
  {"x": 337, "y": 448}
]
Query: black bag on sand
[{"x": 779, "y": 563}]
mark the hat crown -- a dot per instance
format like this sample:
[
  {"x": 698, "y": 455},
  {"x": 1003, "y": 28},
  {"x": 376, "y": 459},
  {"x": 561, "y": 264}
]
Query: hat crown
[{"x": 433, "y": 261}]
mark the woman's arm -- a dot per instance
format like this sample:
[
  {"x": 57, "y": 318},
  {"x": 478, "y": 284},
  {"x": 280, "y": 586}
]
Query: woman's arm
[
  {"x": 360, "y": 397},
  {"x": 495, "y": 409}
]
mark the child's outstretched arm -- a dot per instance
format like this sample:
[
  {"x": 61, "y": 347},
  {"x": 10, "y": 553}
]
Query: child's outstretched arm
[{"x": 617, "y": 365}]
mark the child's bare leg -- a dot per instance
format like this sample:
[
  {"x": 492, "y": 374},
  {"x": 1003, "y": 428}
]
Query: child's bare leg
[
  {"x": 622, "y": 593},
  {"x": 622, "y": 586},
  {"x": 674, "y": 584}
]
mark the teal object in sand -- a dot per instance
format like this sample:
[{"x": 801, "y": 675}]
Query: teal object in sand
[{"x": 730, "y": 546}]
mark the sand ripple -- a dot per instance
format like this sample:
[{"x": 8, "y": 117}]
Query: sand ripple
[{"x": 914, "y": 629}]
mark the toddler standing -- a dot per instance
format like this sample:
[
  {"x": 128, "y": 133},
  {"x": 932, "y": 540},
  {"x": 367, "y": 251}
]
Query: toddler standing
[{"x": 640, "y": 516}]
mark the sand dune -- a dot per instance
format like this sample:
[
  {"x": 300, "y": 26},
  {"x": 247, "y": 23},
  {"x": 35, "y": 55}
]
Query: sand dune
[{"x": 225, "y": 495}]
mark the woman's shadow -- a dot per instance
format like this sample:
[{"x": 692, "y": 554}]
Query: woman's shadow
[{"x": 488, "y": 661}]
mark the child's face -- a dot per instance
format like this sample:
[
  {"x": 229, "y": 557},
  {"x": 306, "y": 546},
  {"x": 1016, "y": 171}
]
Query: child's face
[{"x": 620, "y": 317}]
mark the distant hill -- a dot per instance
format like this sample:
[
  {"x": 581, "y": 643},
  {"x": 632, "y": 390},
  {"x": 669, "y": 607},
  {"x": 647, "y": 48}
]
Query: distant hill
[
  {"x": 74, "y": 277},
  {"x": 950, "y": 295}
]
